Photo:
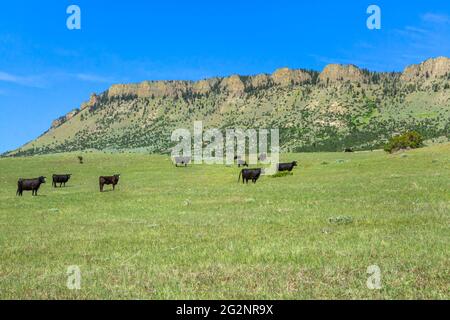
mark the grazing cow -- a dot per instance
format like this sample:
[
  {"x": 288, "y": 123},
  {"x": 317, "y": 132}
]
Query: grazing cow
[
  {"x": 348, "y": 150},
  {"x": 287, "y": 166},
  {"x": 181, "y": 160},
  {"x": 249, "y": 174},
  {"x": 29, "y": 184},
  {"x": 242, "y": 163},
  {"x": 61, "y": 179},
  {"x": 109, "y": 180}
]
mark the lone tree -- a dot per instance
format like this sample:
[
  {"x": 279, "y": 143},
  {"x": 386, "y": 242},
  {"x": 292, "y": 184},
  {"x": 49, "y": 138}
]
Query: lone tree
[
  {"x": 80, "y": 159},
  {"x": 408, "y": 140}
]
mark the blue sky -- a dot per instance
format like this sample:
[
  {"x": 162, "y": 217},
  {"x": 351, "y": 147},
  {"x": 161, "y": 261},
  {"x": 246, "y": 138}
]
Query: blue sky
[{"x": 46, "y": 70}]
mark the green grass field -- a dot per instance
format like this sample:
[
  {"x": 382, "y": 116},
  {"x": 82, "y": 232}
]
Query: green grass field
[{"x": 191, "y": 233}]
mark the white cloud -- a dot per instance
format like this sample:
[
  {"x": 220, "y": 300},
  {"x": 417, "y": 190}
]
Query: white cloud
[
  {"x": 93, "y": 78},
  {"x": 436, "y": 18},
  {"x": 401, "y": 47},
  {"x": 29, "y": 81},
  {"x": 44, "y": 80}
]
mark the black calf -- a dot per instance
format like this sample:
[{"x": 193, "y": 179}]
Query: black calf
[
  {"x": 249, "y": 174},
  {"x": 61, "y": 179},
  {"x": 287, "y": 166}
]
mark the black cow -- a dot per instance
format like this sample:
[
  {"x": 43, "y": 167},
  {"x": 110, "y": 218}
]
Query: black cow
[
  {"x": 108, "y": 180},
  {"x": 29, "y": 184},
  {"x": 61, "y": 179},
  {"x": 287, "y": 166},
  {"x": 348, "y": 150},
  {"x": 249, "y": 174}
]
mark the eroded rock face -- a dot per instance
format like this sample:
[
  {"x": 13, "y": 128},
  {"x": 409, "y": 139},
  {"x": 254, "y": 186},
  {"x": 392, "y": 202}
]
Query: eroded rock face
[
  {"x": 92, "y": 101},
  {"x": 430, "y": 69},
  {"x": 237, "y": 86},
  {"x": 233, "y": 85},
  {"x": 205, "y": 86},
  {"x": 149, "y": 89},
  {"x": 259, "y": 81},
  {"x": 56, "y": 123},
  {"x": 286, "y": 77},
  {"x": 71, "y": 114},
  {"x": 342, "y": 73}
]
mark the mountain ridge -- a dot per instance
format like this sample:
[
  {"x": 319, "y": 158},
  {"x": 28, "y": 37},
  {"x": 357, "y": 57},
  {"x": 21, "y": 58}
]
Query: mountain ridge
[
  {"x": 225, "y": 94},
  {"x": 235, "y": 84}
]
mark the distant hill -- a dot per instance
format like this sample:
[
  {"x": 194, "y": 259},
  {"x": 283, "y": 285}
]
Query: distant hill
[{"x": 342, "y": 106}]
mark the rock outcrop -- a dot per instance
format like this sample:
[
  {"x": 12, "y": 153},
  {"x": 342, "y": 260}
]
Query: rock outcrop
[
  {"x": 91, "y": 103},
  {"x": 342, "y": 73},
  {"x": 205, "y": 86},
  {"x": 234, "y": 85},
  {"x": 286, "y": 77},
  {"x": 149, "y": 89},
  {"x": 259, "y": 81},
  {"x": 427, "y": 70},
  {"x": 56, "y": 123}
]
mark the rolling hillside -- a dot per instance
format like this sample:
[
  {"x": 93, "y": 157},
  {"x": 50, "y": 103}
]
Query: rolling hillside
[{"x": 342, "y": 106}]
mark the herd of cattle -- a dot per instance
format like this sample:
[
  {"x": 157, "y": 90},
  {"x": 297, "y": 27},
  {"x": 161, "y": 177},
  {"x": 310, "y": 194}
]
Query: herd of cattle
[
  {"x": 33, "y": 185},
  {"x": 254, "y": 174}
]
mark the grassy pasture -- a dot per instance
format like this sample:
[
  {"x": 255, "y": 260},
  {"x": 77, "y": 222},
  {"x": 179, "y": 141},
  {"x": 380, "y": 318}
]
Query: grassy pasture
[{"x": 188, "y": 233}]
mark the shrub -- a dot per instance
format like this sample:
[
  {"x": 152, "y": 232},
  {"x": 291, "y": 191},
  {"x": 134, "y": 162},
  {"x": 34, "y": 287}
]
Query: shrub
[
  {"x": 408, "y": 140},
  {"x": 282, "y": 174},
  {"x": 341, "y": 220}
]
